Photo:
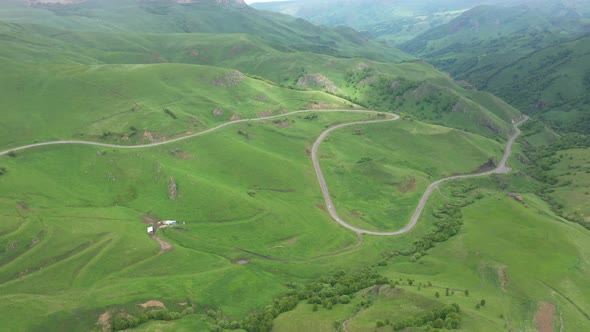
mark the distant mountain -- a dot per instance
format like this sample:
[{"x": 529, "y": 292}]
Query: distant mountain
[
  {"x": 501, "y": 49},
  {"x": 388, "y": 21},
  {"x": 182, "y": 16}
]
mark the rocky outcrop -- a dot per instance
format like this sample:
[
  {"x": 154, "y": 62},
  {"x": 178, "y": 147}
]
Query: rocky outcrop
[{"x": 317, "y": 80}]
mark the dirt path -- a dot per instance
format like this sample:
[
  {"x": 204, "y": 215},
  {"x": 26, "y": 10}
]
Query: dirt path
[
  {"x": 164, "y": 246},
  {"x": 500, "y": 169},
  {"x": 544, "y": 317}
]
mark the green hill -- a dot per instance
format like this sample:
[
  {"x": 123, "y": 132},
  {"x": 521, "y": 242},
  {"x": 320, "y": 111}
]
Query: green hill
[
  {"x": 167, "y": 16},
  {"x": 480, "y": 41},
  {"x": 552, "y": 82},
  {"x": 365, "y": 82}
]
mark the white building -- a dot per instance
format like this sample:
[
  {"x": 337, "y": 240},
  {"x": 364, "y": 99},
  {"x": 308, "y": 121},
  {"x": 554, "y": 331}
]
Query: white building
[
  {"x": 170, "y": 222},
  {"x": 150, "y": 230}
]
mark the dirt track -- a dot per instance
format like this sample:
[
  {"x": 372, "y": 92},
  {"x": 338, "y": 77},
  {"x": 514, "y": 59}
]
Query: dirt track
[{"x": 500, "y": 169}]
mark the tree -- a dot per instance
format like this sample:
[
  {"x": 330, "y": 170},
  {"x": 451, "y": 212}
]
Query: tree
[
  {"x": 379, "y": 324},
  {"x": 466, "y": 292},
  {"x": 437, "y": 295},
  {"x": 447, "y": 292},
  {"x": 315, "y": 307},
  {"x": 483, "y": 302},
  {"x": 477, "y": 306},
  {"x": 438, "y": 323}
]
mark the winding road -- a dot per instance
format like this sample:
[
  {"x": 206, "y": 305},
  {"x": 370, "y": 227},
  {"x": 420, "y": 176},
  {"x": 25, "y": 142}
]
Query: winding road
[{"x": 500, "y": 169}]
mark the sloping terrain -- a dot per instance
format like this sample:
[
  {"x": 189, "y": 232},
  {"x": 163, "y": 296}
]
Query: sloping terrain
[
  {"x": 552, "y": 82},
  {"x": 484, "y": 39}
]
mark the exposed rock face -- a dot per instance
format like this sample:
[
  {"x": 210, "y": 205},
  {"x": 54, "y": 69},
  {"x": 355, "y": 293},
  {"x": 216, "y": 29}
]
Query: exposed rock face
[
  {"x": 230, "y": 79},
  {"x": 314, "y": 80}
]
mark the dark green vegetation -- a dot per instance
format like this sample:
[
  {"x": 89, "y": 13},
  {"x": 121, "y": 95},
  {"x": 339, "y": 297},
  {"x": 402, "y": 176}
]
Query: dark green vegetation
[
  {"x": 254, "y": 247},
  {"x": 386, "y": 21},
  {"x": 533, "y": 54},
  {"x": 535, "y": 57}
]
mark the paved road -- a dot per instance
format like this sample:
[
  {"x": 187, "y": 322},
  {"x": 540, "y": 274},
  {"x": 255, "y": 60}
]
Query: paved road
[
  {"x": 106, "y": 145},
  {"x": 501, "y": 169}
]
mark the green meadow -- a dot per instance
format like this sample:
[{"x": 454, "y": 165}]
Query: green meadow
[{"x": 377, "y": 175}]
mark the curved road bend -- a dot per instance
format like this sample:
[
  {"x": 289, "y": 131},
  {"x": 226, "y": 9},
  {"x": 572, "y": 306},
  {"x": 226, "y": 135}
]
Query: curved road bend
[{"x": 500, "y": 169}]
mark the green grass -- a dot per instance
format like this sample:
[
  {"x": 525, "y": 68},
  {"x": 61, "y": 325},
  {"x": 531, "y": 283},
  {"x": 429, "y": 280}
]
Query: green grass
[
  {"x": 573, "y": 174},
  {"x": 472, "y": 261},
  {"x": 106, "y": 102},
  {"x": 94, "y": 252},
  {"x": 378, "y": 173}
]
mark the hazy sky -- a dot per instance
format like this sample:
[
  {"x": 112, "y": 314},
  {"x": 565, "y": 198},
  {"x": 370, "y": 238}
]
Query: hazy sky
[{"x": 253, "y": 1}]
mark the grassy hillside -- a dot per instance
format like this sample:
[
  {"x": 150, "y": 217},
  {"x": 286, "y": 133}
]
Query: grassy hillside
[
  {"x": 386, "y": 21},
  {"x": 552, "y": 82},
  {"x": 484, "y": 39},
  {"x": 73, "y": 211},
  {"x": 426, "y": 93},
  {"x": 131, "y": 104},
  {"x": 378, "y": 186},
  {"x": 279, "y": 31}
]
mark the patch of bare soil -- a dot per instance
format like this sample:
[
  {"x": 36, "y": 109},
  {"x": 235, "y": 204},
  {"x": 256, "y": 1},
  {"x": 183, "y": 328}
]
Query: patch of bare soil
[
  {"x": 181, "y": 154},
  {"x": 544, "y": 317},
  {"x": 308, "y": 149},
  {"x": 164, "y": 246},
  {"x": 148, "y": 136},
  {"x": 291, "y": 241},
  {"x": 234, "y": 117},
  {"x": 261, "y": 97},
  {"x": 281, "y": 123},
  {"x": 264, "y": 114},
  {"x": 195, "y": 53},
  {"x": 242, "y": 262},
  {"x": 10, "y": 247},
  {"x": 503, "y": 277},
  {"x": 357, "y": 214},
  {"x": 104, "y": 321},
  {"x": 409, "y": 186},
  {"x": 172, "y": 189},
  {"x": 23, "y": 206},
  {"x": 152, "y": 304},
  {"x": 218, "y": 111},
  {"x": 148, "y": 219}
]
